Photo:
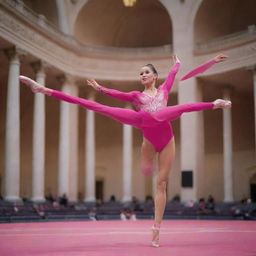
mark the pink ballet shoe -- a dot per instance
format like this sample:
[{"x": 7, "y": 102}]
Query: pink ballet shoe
[
  {"x": 155, "y": 235},
  {"x": 35, "y": 87},
  {"x": 228, "y": 104},
  {"x": 219, "y": 103}
]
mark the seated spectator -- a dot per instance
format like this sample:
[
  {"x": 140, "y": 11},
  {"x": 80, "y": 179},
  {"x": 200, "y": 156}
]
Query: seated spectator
[
  {"x": 128, "y": 214},
  {"x": 55, "y": 204},
  {"x": 63, "y": 200},
  {"x": 49, "y": 198},
  {"x": 190, "y": 203},
  {"x": 93, "y": 214},
  {"x": 112, "y": 198},
  {"x": 243, "y": 200},
  {"x": 202, "y": 206},
  {"x": 25, "y": 199},
  {"x": 39, "y": 209},
  {"x": 176, "y": 198},
  {"x": 15, "y": 208},
  {"x": 210, "y": 205},
  {"x": 136, "y": 204},
  {"x": 149, "y": 198}
]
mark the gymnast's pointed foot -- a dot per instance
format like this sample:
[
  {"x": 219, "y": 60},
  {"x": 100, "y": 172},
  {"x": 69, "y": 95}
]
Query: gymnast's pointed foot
[
  {"x": 219, "y": 103},
  {"x": 34, "y": 86},
  {"x": 155, "y": 235}
]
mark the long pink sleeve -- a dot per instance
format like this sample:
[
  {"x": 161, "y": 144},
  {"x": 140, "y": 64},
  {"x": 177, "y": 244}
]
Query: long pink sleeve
[
  {"x": 125, "y": 96},
  {"x": 168, "y": 83},
  {"x": 198, "y": 70}
]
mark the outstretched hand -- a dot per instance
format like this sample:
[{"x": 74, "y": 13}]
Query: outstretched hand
[
  {"x": 220, "y": 58},
  {"x": 93, "y": 83},
  {"x": 175, "y": 58}
]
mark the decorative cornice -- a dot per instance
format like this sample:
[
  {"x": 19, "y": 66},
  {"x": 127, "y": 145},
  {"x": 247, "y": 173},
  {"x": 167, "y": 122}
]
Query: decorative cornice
[
  {"x": 227, "y": 41},
  {"x": 107, "y": 63}
]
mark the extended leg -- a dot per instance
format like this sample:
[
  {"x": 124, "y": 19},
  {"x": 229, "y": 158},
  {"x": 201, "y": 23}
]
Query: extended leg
[
  {"x": 125, "y": 116},
  {"x": 173, "y": 112},
  {"x": 121, "y": 115},
  {"x": 165, "y": 161}
]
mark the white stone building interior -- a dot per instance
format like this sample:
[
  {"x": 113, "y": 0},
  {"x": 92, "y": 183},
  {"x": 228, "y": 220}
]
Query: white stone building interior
[{"x": 47, "y": 146}]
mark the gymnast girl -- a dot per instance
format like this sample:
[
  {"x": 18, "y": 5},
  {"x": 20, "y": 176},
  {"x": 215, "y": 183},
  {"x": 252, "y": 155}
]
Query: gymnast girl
[{"x": 151, "y": 115}]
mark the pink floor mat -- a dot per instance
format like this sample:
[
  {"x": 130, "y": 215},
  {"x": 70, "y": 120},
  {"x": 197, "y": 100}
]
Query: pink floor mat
[{"x": 178, "y": 238}]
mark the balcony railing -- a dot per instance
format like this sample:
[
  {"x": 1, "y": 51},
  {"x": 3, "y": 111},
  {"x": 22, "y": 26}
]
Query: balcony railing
[
  {"x": 227, "y": 41},
  {"x": 39, "y": 22}
]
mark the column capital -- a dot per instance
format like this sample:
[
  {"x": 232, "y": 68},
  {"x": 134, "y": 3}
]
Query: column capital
[
  {"x": 66, "y": 78},
  {"x": 227, "y": 89},
  {"x": 39, "y": 66},
  {"x": 252, "y": 68},
  {"x": 14, "y": 53}
]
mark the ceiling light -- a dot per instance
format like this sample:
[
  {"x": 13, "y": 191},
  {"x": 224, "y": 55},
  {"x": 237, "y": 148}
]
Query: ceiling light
[{"x": 129, "y": 3}]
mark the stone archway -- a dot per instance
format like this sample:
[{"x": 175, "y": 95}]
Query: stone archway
[
  {"x": 213, "y": 20},
  {"x": 147, "y": 24}
]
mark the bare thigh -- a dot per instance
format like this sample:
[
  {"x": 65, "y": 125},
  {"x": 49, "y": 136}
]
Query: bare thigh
[
  {"x": 165, "y": 161},
  {"x": 148, "y": 151}
]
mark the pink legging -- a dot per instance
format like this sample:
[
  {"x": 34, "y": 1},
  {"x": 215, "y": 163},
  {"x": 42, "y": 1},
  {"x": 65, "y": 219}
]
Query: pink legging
[{"x": 155, "y": 127}]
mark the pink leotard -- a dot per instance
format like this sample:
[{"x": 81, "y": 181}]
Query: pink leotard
[{"x": 152, "y": 114}]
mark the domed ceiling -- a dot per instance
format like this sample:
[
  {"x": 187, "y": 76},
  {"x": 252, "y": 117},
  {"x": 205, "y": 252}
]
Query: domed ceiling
[{"x": 110, "y": 23}]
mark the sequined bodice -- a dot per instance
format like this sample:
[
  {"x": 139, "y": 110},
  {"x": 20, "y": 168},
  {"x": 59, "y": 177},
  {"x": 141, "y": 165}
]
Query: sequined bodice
[{"x": 152, "y": 104}]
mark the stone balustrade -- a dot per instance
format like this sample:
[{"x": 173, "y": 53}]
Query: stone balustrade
[{"x": 38, "y": 37}]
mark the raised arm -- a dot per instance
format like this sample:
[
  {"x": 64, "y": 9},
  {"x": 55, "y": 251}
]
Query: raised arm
[
  {"x": 125, "y": 96},
  {"x": 203, "y": 67},
  {"x": 168, "y": 83}
]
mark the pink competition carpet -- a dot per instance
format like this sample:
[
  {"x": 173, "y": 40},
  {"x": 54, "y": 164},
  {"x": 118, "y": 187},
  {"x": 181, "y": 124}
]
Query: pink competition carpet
[{"x": 178, "y": 238}]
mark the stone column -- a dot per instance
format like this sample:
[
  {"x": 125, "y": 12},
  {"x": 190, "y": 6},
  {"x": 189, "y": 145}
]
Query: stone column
[
  {"x": 62, "y": 16},
  {"x": 38, "y": 162},
  {"x": 73, "y": 150},
  {"x": 191, "y": 124},
  {"x": 127, "y": 163},
  {"x": 12, "y": 142},
  {"x": 227, "y": 150},
  {"x": 90, "y": 156},
  {"x": 253, "y": 69},
  {"x": 192, "y": 142},
  {"x": 64, "y": 142}
]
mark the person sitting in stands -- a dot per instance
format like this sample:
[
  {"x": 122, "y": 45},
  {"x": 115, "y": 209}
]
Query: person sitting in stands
[
  {"x": 128, "y": 214},
  {"x": 64, "y": 200}
]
